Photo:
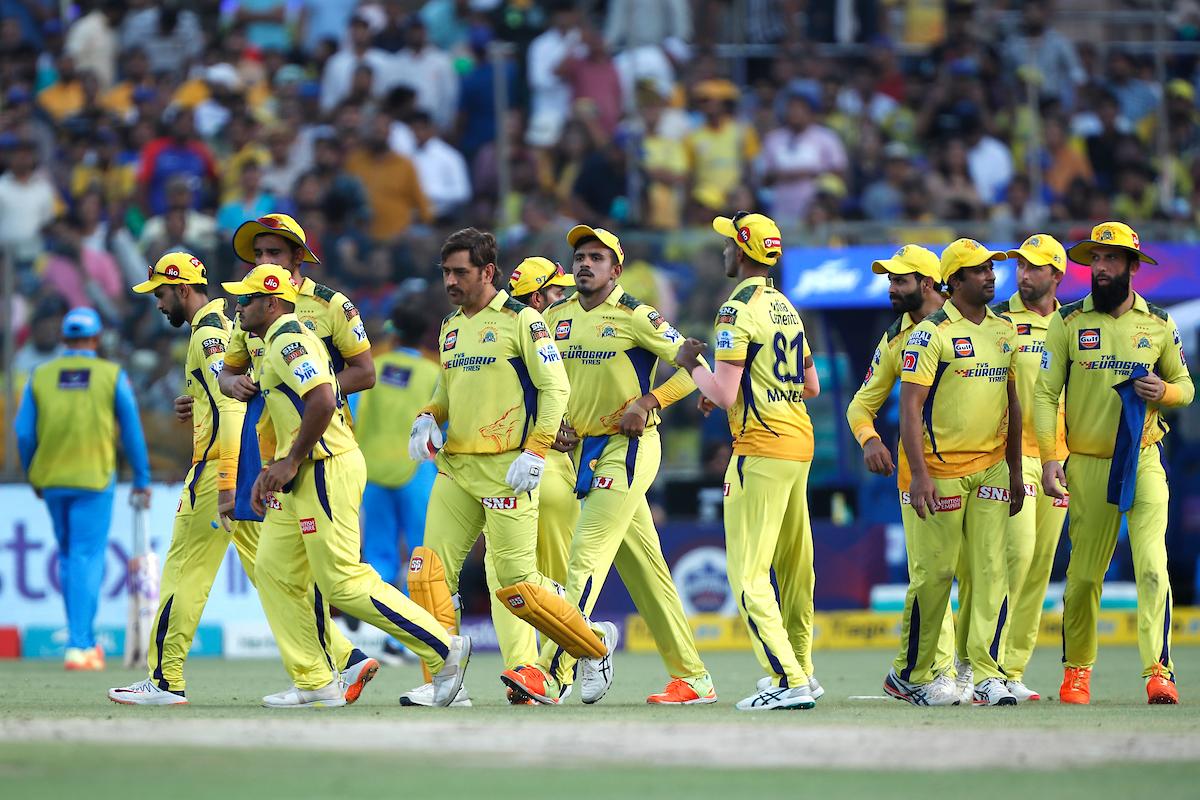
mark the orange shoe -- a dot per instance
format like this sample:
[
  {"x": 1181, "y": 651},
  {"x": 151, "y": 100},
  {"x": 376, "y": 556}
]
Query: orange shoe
[
  {"x": 97, "y": 657},
  {"x": 681, "y": 693},
  {"x": 81, "y": 660},
  {"x": 530, "y": 682},
  {"x": 1160, "y": 687},
  {"x": 1076, "y": 686},
  {"x": 516, "y": 698}
]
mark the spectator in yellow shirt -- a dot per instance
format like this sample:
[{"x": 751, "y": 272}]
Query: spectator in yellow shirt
[
  {"x": 720, "y": 150},
  {"x": 393, "y": 190}
]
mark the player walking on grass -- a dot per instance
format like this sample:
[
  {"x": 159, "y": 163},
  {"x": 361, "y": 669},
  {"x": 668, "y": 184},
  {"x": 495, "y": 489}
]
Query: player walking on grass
[
  {"x": 504, "y": 391},
  {"x": 179, "y": 282},
  {"x": 310, "y": 496},
  {"x": 764, "y": 374},
  {"x": 611, "y": 343},
  {"x": 914, "y": 280},
  {"x": 1034, "y": 532},
  {"x": 1119, "y": 361},
  {"x": 959, "y": 409},
  {"x": 278, "y": 239}
]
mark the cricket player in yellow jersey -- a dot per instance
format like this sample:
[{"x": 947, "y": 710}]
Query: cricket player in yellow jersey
[
  {"x": 1033, "y": 534},
  {"x": 310, "y": 496},
  {"x": 279, "y": 239},
  {"x": 610, "y": 344},
  {"x": 179, "y": 283},
  {"x": 764, "y": 374},
  {"x": 1120, "y": 362},
  {"x": 959, "y": 409},
  {"x": 504, "y": 391},
  {"x": 914, "y": 281}
]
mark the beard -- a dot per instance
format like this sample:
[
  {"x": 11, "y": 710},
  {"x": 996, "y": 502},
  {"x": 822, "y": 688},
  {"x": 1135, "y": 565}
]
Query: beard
[
  {"x": 1108, "y": 298},
  {"x": 907, "y": 303},
  {"x": 1032, "y": 294}
]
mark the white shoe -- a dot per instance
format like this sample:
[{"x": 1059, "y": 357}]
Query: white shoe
[
  {"x": 940, "y": 691},
  {"x": 355, "y": 678},
  {"x": 328, "y": 696},
  {"x": 814, "y": 688},
  {"x": 423, "y": 696},
  {"x": 775, "y": 697},
  {"x": 146, "y": 693},
  {"x": 993, "y": 692},
  {"x": 596, "y": 674},
  {"x": 449, "y": 679},
  {"x": 965, "y": 682},
  {"x": 1022, "y": 692}
]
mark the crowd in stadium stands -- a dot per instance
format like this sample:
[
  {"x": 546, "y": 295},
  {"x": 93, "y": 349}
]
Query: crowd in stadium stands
[{"x": 141, "y": 127}]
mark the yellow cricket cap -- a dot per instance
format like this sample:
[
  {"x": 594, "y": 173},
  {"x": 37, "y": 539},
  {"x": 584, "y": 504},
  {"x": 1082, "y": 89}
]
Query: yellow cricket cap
[
  {"x": 757, "y": 235},
  {"x": 175, "y": 269},
  {"x": 278, "y": 224},
  {"x": 966, "y": 253},
  {"x": 609, "y": 240},
  {"x": 265, "y": 279},
  {"x": 1042, "y": 250},
  {"x": 537, "y": 273},
  {"x": 909, "y": 259},
  {"x": 1109, "y": 234}
]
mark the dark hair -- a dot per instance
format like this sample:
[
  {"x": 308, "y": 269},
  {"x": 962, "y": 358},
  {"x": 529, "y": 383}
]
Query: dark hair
[
  {"x": 409, "y": 322},
  {"x": 525, "y": 298},
  {"x": 480, "y": 246}
]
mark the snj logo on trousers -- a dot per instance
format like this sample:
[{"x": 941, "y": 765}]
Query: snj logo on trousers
[
  {"x": 601, "y": 483},
  {"x": 308, "y": 525},
  {"x": 994, "y": 493},
  {"x": 1089, "y": 339},
  {"x": 499, "y": 503}
]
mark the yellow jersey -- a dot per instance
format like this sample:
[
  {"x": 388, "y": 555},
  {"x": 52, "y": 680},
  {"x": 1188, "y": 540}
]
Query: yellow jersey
[
  {"x": 611, "y": 354},
  {"x": 502, "y": 384},
  {"x": 216, "y": 419},
  {"x": 758, "y": 326},
  {"x": 294, "y": 363},
  {"x": 1087, "y": 353},
  {"x": 1031, "y": 343},
  {"x": 75, "y": 396},
  {"x": 882, "y": 373},
  {"x": 967, "y": 368},
  {"x": 404, "y": 382}
]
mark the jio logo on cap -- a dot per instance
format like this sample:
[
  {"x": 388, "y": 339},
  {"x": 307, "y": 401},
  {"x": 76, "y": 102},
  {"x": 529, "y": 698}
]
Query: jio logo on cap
[
  {"x": 171, "y": 271},
  {"x": 270, "y": 283}
]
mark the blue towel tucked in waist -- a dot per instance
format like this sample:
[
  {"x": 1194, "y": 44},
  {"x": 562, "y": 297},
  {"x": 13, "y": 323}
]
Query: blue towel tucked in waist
[
  {"x": 589, "y": 453},
  {"x": 1122, "y": 475}
]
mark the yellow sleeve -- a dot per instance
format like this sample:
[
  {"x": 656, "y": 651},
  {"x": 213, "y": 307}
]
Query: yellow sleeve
[
  {"x": 652, "y": 332},
  {"x": 921, "y": 355},
  {"x": 675, "y": 388},
  {"x": 1048, "y": 389},
  {"x": 349, "y": 333},
  {"x": 237, "y": 352},
  {"x": 439, "y": 404},
  {"x": 230, "y": 413},
  {"x": 870, "y": 397},
  {"x": 1172, "y": 368},
  {"x": 546, "y": 370},
  {"x": 303, "y": 368}
]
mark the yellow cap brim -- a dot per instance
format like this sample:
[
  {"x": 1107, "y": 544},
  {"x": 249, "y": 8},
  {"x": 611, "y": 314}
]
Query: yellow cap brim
[
  {"x": 1081, "y": 253},
  {"x": 566, "y": 279},
  {"x": 243, "y": 241},
  {"x": 725, "y": 227},
  {"x": 146, "y": 287},
  {"x": 893, "y": 266},
  {"x": 607, "y": 239},
  {"x": 1036, "y": 258},
  {"x": 239, "y": 288}
]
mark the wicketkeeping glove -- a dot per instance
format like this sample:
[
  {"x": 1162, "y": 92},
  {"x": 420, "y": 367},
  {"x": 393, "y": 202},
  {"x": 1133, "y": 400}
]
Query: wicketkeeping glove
[
  {"x": 425, "y": 439},
  {"x": 526, "y": 472}
]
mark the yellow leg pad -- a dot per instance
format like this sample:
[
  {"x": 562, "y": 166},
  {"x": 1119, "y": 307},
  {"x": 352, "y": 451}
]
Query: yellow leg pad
[
  {"x": 427, "y": 587},
  {"x": 553, "y": 616}
]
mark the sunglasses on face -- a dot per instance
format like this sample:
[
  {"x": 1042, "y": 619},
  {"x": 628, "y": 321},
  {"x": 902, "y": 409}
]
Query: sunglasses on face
[{"x": 246, "y": 299}]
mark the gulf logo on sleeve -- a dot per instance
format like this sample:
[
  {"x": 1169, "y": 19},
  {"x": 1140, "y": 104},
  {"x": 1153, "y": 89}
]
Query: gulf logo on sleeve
[
  {"x": 910, "y": 361},
  {"x": 1089, "y": 339},
  {"x": 963, "y": 347}
]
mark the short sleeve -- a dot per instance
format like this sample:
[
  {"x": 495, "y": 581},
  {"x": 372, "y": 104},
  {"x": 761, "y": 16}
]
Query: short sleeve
[
  {"x": 733, "y": 333},
  {"x": 921, "y": 355},
  {"x": 300, "y": 363},
  {"x": 349, "y": 332},
  {"x": 237, "y": 351}
]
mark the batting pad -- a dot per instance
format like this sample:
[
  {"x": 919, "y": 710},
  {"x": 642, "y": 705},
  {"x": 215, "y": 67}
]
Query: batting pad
[
  {"x": 427, "y": 587},
  {"x": 553, "y": 616}
]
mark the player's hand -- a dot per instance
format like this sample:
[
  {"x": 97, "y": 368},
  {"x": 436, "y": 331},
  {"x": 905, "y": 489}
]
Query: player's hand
[
  {"x": 688, "y": 355},
  {"x": 877, "y": 457},
  {"x": 425, "y": 439},
  {"x": 633, "y": 421},
  {"x": 1150, "y": 388},
  {"x": 278, "y": 474},
  {"x": 1016, "y": 492},
  {"x": 525, "y": 473},
  {"x": 225, "y": 501},
  {"x": 257, "y": 494},
  {"x": 243, "y": 388},
  {"x": 705, "y": 405},
  {"x": 923, "y": 495},
  {"x": 566, "y": 440},
  {"x": 1054, "y": 480},
  {"x": 183, "y": 408},
  {"x": 140, "y": 498}
]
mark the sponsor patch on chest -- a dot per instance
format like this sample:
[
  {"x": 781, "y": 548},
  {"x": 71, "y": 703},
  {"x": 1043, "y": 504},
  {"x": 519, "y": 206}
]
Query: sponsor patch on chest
[
  {"x": 963, "y": 348},
  {"x": 1089, "y": 338},
  {"x": 450, "y": 341},
  {"x": 562, "y": 330}
]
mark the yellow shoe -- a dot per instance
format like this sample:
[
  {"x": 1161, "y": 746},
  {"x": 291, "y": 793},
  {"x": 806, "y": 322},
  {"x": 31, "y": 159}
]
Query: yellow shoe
[{"x": 686, "y": 692}]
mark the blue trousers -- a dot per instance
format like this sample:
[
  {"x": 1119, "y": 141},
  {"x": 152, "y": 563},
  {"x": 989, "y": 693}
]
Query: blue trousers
[
  {"x": 81, "y": 520},
  {"x": 388, "y": 512}
]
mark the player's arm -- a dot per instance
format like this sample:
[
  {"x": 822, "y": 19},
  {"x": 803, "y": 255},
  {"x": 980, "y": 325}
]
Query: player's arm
[
  {"x": 213, "y": 342},
  {"x": 865, "y": 405},
  {"x": 25, "y": 425},
  {"x": 233, "y": 379},
  {"x": 1172, "y": 387},
  {"x": 350, "y": 338},
  {"x": 732, "y": 337},
  {"x": 546, "y": 370},
  {"x": 133, "y": 440},
  {"x": 1047, "y": 392},
  {"x": 655, "y": 334},
  {"x": 812, "y": 381},
  {"x": 918, "y": 367}
]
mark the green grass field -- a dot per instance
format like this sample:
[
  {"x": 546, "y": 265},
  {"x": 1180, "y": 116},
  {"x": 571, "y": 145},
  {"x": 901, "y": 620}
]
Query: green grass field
[{"x": 59, "y": 735}]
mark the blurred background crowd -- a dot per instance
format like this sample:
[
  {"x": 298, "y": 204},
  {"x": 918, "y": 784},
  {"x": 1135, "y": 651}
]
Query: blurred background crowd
[{"x": 130, "y": 129}]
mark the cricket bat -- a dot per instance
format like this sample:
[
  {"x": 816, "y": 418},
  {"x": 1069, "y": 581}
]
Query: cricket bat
[{"x": 143, "y": 577}]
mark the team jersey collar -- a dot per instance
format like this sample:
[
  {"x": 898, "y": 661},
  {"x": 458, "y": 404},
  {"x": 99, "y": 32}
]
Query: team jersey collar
[
  {"x": 498, "y": 301},
  {"x": 307, "y": 287},
  {"x": 214, "y": 306},
  {"x": 906, "y": 321},
  {"x": 758, "y": 280},
  {"x": 1016, "y": 304},
  {"x": 1139, "y": 303},
  {"x": 279, "y": 323},
  {"x": 614, "y": 296},
  {"x": 955, "y": 315}
]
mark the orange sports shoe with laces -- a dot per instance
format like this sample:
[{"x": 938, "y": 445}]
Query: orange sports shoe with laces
[
  {"x": 1076, "y": 686},
  {"x": 680, "y": 692},
  {"x": 1160, "y": 687}
]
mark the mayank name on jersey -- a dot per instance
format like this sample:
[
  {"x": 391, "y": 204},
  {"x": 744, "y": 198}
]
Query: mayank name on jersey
[{"x": 468, "y": 363}]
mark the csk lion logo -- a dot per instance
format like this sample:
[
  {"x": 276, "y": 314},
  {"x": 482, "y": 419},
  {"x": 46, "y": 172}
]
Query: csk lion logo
[{"x": 501, "y": 431}]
